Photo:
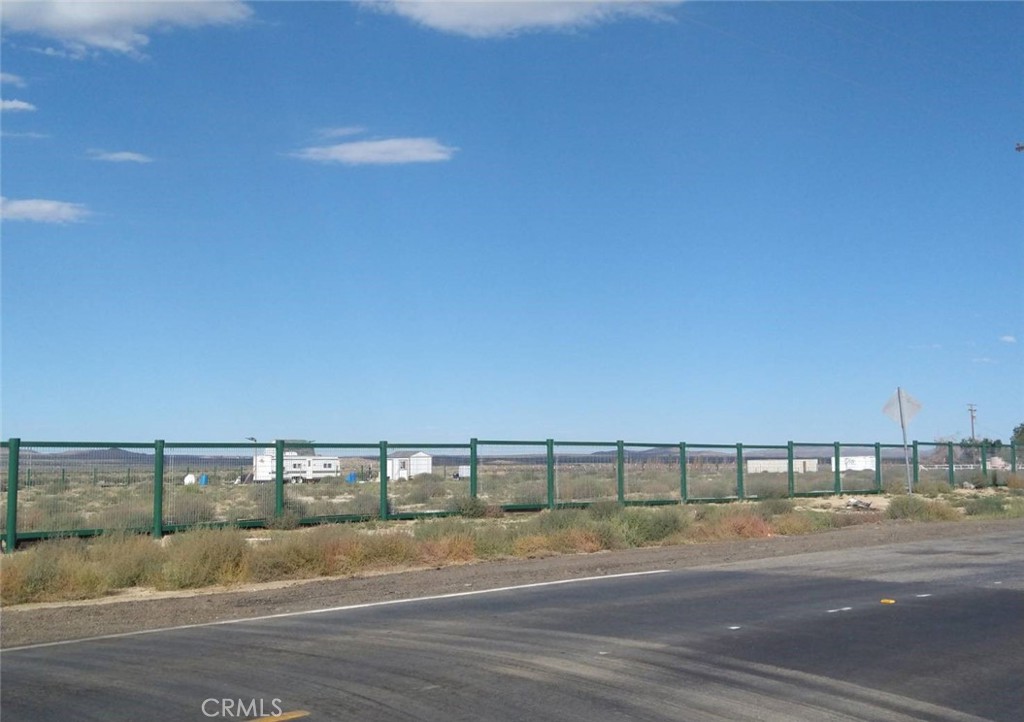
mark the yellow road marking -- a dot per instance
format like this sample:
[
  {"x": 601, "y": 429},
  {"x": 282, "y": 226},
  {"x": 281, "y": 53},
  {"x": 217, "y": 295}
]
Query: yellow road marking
[{"x": 283, "y": 716}]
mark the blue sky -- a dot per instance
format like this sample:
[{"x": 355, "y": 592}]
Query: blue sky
[{"x": 710, "y": 222}]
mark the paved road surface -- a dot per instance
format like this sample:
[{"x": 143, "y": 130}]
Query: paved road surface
[{"x": 801, "y": 637}]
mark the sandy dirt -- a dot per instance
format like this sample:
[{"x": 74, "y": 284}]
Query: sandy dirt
[{"x": 144, "y": 609}]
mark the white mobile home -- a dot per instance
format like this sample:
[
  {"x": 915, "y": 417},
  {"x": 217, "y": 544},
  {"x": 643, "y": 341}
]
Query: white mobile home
[
  {"x": 854, "y": 463},
  {"x": 781, "y": 466},
  {"x": 297, "y": 467},
  {"x": 407, "y": 464}
]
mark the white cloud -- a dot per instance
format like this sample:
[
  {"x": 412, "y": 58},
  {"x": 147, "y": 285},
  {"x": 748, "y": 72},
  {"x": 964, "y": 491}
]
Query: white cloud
[
  {"x": 380, "y": 152},
  {"x": 341, "y": 132},
  {"x": 1008, "y": 339},
  {"x": 122, "y": 156},
  {"x": 15, "y": 105},
  {"x": 12, "y": 79},
  {"x": 42, "y": 211},
  {"x": 983, "y": 360},
  {"x": 28, "y": 134},
  {"x": 114, "y": 26},
  {"x": 496, "y": 18}
]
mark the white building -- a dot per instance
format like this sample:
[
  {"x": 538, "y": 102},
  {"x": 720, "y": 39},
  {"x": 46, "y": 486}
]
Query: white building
[
  {"x": 781, "y": 466},
  {"x": 854, "y": 463},
  {"x": 407, "y": 464}
]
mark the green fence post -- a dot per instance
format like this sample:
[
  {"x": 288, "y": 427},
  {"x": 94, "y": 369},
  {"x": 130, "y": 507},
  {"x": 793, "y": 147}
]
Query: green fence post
[
  {"x": 683, "y": 491},
  {"x": 620, "y": 471},
  {"x": 984, "y": 461},
  {"x": 551, "y": 474},
  {"x": 1013, "y": 456},
  {"x": 385, "y": 510},
  {"x": 158, "y": 489},
  {"x": 837, "y": 477},
  {"x": 739, "y": 471},
  {"x": 279, "y": 477},
  {"x": 13, "y": 448},
  {"x": 950, "y": 463},
  {"x": 878, "y": 466},
  {"x": 790, "y": 472},
  {"x": 472, "y": 469},
  {"x": 915, "y": 456}
]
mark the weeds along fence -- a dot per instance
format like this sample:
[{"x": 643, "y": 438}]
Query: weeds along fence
[{"x": 52, "y": 489}]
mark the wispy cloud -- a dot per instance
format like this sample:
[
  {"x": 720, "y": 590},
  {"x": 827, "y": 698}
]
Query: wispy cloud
[
  {"x": 26, "y": 134},
  {"x": 42, "y": 211},
  {"x": 341, "y": 132},
  {"x": 122, "y": 156},
  {"x": 1008, "y": 339},
  {"x": 15, "y": 106},
  {"x": 120, "y": 27},
  {"x": 984, "y": 360},
  {"x": 496, "y": 18},
  {"x": 12, "y": 79},
  {"x": 390, "y": 151}
]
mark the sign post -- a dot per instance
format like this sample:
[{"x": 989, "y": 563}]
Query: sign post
[{"x": 901, "y": 408}]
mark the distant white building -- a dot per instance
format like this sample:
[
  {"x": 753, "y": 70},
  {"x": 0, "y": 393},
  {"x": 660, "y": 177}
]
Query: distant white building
[
  {"x": 407, "y": 464},
  {"x": 854, "y": 463},
  {"x": 781, "y": 466}
]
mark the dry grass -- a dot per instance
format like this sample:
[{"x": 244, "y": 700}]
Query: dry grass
[{"x": 67, "y": 569}]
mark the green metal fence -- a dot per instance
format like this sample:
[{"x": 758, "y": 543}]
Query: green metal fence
[{"x": 52, "y": 489}]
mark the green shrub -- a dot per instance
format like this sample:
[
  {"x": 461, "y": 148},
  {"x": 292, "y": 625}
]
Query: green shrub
[
  {"x": 433, "y": 529},
  {"x": 603, "y": 510},
  {"x": 128, "y": 560},
  {"x": 203, "y": 558},
  {"x": 985, "y": 506},
  {"x": 642, "y": 527},
  {"x": 494, "y": 541},
  {"x": 768, "y": 508},
  {"x": 189, "y": 506},
  {"x": 472, "y": 508},
  {"x": 365, "y": 503},
  {"x": 421, "y": 489},
  {"x": 932, "y": 488},
  {"x": 555, "y": 520},
  {"x": 301, "y": 555},
  {"x": 918, "y": 509},
  {"x": 51, "y": 570}
]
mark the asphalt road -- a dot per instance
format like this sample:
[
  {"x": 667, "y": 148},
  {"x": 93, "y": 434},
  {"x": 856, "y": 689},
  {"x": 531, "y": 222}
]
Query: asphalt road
[{"x": 804, "y": 637}]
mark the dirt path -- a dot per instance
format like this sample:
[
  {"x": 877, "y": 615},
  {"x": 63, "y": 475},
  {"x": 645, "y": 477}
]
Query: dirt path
[{"x": 139, "y": 610}]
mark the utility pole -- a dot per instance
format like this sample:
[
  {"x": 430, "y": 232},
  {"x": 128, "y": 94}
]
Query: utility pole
[{"x": 974, "y": 412}]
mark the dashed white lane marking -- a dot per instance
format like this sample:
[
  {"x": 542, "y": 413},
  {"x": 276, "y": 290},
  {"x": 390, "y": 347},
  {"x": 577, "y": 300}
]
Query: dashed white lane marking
[
  {"x": 734, "y": 627},
  {"x": 345, "y": 608},
  {"x": 840, "y": 609},
  {"x": 922, "y": 596}
]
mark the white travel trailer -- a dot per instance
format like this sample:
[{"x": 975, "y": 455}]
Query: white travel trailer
[
  {"x": 297, "y": 467},
  {"x": 781, "y": 466},
  {"x": 854, "y": 463}
]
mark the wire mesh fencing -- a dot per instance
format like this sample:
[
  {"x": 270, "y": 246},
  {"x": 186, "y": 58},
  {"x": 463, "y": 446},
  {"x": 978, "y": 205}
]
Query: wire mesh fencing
[
  {"x": 61, "y": 488},
  {"x": 512, "y": 473}
]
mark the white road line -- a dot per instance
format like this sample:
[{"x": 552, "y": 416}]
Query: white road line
[
  {"x": 345, "y": 608},
  {"x": 922, "y": 596},
  {"x": 734, "y": 627},
  {"x": 840, "y": 609}
]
